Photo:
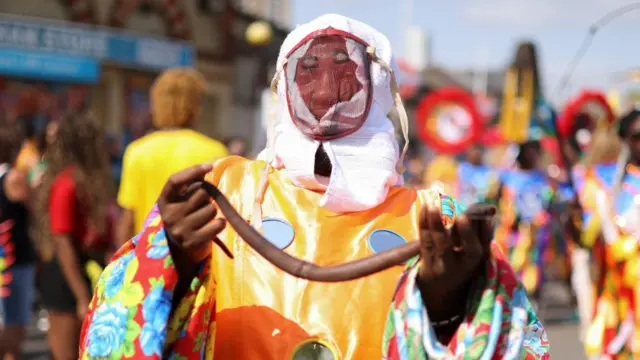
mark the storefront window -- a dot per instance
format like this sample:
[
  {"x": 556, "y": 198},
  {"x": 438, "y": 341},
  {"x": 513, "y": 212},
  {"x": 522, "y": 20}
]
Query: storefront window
[
  {"x": 36, "y": 102},
  {"x": 136, "y": 122},
  {"x": 138, "y": 118}
]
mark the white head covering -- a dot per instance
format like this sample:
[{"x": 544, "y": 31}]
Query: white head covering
[{"x": 364, "y": 163}]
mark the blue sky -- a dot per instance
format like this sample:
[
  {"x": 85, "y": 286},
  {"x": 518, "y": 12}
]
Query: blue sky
[{"x": 461, "y": 30}]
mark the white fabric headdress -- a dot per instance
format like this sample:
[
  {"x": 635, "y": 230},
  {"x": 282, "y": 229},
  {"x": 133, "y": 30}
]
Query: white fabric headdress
[{"x": 365, "y": 163}]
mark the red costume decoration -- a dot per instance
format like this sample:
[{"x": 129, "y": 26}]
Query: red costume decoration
[{"x": 448, "y": 120}]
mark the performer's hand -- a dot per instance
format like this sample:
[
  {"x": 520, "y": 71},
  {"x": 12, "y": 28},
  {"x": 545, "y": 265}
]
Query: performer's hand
[
  {"x": 450, "y": 258},
  {"x": 189, "y": 218}
]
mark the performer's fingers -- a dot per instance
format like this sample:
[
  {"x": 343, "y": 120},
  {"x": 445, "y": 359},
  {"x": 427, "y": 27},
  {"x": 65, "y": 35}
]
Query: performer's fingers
[
  {"x": 175, "y": 212},
  {"x": 431, "y": 254},
  {"x": 206, "y": 233},
  {"x": 423, "y": 221},
  {"x": 199, "y": 199},
  {"x": 464, "y": 232},
  {"x": 201, "y": 216},
  {"x": 203, "y": 237},
  {"x": 175, "y": 184},
  {"x": 480, "y": 211},
  {"x": 435, "y": 220},
  {"x": 485, "y": 233}
]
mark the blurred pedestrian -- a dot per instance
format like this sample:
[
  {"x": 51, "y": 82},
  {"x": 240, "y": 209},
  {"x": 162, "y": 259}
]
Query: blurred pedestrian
[
  {"x": 148, "y": 162},
  {"x": 72, "y": 207},
  {"x": 18, "y": 256},
  {"x": 606, "y": 220},
  {"x": 44, "y": 140},
  {"x": 28, "y": 155}
]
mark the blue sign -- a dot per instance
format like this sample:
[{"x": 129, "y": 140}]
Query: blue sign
[
  {"x": 40, "y": 65},
  {"x": 100, "y": 44}
]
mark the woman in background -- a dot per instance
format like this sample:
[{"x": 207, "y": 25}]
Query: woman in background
[
  {"x": 17, "y": 257},
  {"x": 72, "y": 203}
]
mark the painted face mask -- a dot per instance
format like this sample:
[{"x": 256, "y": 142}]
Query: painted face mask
[{"x": 328, "y": 85}]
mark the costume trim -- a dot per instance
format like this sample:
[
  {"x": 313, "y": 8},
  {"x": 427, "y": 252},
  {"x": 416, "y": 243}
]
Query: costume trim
[{"x": 484, "y": 334}]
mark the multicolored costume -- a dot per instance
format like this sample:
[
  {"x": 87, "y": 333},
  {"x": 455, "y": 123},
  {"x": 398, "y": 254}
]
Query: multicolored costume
[
  {"x": 448, "y": 121},
  {"x": 475, "y": 183},
  {"x": 526, "y": 231},
  {"x": 585, "y": 126},
  {"x": 611, "y": 230},
  {"x": 246, "y": 308}
]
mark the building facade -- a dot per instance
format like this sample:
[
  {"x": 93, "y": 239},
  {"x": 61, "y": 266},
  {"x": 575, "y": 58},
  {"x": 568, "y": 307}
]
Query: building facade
[
  {"x": 104, "y": 54},
  {"x": 276, "y": 11}
]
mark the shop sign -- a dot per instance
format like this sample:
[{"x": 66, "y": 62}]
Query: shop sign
[
  {"x": 25, "y": 63},
  {"x": 101, "y": 44}
]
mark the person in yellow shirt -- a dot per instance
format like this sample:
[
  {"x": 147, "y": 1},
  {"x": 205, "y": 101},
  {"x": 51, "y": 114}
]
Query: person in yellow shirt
[{"x": 149, "y": 161}]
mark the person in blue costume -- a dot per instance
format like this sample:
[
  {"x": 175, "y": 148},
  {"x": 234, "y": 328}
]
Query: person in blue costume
[
  {"x": 475, "y": 179},
  {"x": 525, "y": 195},
  {"x": 524, "y": 231}
]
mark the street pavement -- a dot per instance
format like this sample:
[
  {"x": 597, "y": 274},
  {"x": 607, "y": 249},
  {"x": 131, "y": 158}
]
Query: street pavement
[
  {"x": 561, "y": 324},
  {"x": 561, "y": 329}
]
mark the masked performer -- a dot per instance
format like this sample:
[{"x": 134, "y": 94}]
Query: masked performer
[
  {"x": 328, "y": 194},
  {"x": 525, "y": 193},
  {"x": 608, "y": 222}
]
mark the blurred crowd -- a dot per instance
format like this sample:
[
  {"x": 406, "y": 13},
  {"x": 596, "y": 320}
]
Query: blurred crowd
[{"x": 66, "y": 205}]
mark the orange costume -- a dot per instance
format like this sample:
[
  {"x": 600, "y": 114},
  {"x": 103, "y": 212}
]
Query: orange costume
[
  {"x": 245, "y": 308},
  {"x": 263, "y": 303}
]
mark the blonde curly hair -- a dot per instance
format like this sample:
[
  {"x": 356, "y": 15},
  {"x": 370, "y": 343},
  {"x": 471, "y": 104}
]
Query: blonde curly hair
[{"x": 176, "y": 97}]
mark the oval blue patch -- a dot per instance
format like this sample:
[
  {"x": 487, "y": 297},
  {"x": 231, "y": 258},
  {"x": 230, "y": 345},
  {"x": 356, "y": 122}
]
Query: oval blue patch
[
  {"x": 381, "y": 240},
  {"x": 279, "y": 232}
]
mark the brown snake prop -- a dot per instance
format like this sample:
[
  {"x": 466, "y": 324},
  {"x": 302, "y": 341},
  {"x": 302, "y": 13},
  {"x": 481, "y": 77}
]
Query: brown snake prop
[{"x": 310, "y": 271}]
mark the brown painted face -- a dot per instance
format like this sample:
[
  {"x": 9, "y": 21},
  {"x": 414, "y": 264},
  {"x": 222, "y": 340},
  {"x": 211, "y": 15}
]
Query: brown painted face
[
  {"x": 326, "y": 75},
  {"x": 329, "y": 87}
]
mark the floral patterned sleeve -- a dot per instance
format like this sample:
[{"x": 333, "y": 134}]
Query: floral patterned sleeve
[
  {"x": 504, "y": 325},
  {"x": 130, "y": 313}
]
